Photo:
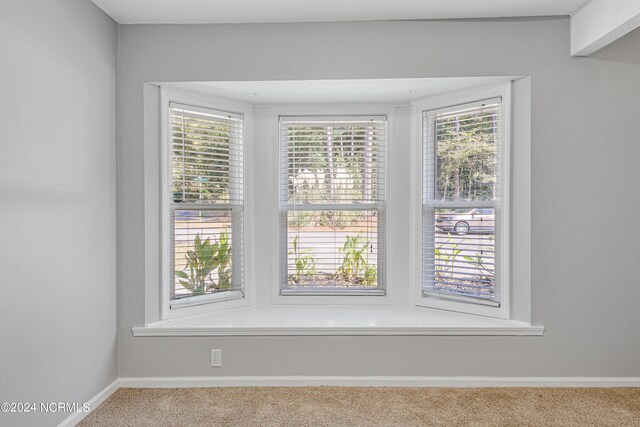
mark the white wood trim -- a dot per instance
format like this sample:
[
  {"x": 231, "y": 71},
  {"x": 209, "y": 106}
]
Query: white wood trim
[
  {"x": 152, "y": 204},
  {"x": 375, "y": 381},
  {"x": 520, "y": 268},
  {"x": 206, "y": 299},
  {"x": 357, "y": 319},
  {"x": 599, "y": 23},
  {"x": 94, "y": 402},
  {"x": 214, "y": 331}
]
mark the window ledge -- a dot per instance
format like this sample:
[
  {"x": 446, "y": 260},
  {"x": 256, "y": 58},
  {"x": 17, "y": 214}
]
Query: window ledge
[{"x": 335, "y": 320}]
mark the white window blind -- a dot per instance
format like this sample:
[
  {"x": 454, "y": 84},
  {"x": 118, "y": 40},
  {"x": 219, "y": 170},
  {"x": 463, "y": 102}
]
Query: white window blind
[
  {"x": 205, "y": 202},
  {"x": 332, "y": 204},
  {"x": 462, "y": 202}
]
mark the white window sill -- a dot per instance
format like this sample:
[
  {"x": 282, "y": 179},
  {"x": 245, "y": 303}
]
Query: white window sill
[{"x": 335, "y": 320}]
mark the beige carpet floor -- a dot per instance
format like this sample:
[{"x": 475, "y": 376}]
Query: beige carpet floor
[{"x": 348, "y": 406}]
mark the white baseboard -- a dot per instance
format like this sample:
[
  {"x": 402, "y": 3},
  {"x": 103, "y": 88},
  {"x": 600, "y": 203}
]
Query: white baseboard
[
  {"x": 346, "y": 381},
  {"x": 94, "y": 402},
  {"x": 376, "y": 381}
]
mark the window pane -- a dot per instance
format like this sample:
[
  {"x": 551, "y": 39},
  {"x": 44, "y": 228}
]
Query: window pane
[
  {"x": 466, "y": 157},
  {"x": 203, "y": 246},
  {"x": 206, "y": 156},
  {"x": 332, "y": 162},
  {"x": 332, "y": 195},
  {"x": 460, "y": 252},
  {"x": 332, "y": 249}
]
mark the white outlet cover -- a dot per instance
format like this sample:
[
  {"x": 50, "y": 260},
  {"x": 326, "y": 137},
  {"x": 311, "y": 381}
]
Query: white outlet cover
[{"x": 216, "y": 358}]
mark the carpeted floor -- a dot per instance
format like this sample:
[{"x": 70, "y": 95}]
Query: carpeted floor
[{"x": 348, "y": 406}]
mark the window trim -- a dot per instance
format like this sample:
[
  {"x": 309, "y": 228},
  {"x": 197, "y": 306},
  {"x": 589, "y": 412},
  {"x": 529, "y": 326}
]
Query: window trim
[
  {"x": 190, "y": 306},
  {"x": 273, "y": 114},
  {"x": 443, "y": 103},
  {"x": 285, "y": 208}
]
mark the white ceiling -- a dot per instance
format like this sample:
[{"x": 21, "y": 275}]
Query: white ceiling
[
  {"x": 333, "y": 91},
  {"x": 245, "y": 11}
]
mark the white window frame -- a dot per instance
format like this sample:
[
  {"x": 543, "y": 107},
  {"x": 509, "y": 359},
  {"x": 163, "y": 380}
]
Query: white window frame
[
  {"x": 190, "y": 306},
  {"x": 378, "y": 206},
  {"x": 452, "y": 303},
  {"x": 273, "y": 114}
]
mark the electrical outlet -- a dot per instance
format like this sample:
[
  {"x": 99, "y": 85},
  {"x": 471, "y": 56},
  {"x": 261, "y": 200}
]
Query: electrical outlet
[{"x": 216, "y": 358}]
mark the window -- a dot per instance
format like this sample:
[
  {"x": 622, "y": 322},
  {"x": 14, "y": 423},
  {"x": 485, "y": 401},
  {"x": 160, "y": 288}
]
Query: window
[
  {"x": 205, "y": 204},
  {"x": 412, "y": 203},
  {"x": 332, "y": 205},
  {"x": 464, "y": 215}
]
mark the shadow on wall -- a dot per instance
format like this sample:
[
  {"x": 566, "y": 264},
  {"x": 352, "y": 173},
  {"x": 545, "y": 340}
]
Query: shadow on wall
[{"x": 625, "y": 50}]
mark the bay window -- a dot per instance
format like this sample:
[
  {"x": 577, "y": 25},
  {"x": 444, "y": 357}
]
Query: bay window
[{"x": 389, "y": 206}]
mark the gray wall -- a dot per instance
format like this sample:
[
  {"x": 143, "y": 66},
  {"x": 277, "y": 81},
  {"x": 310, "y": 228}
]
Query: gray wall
[
  {"x": 585, "y": 227},
  {"x": 58, "y": 335}
]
